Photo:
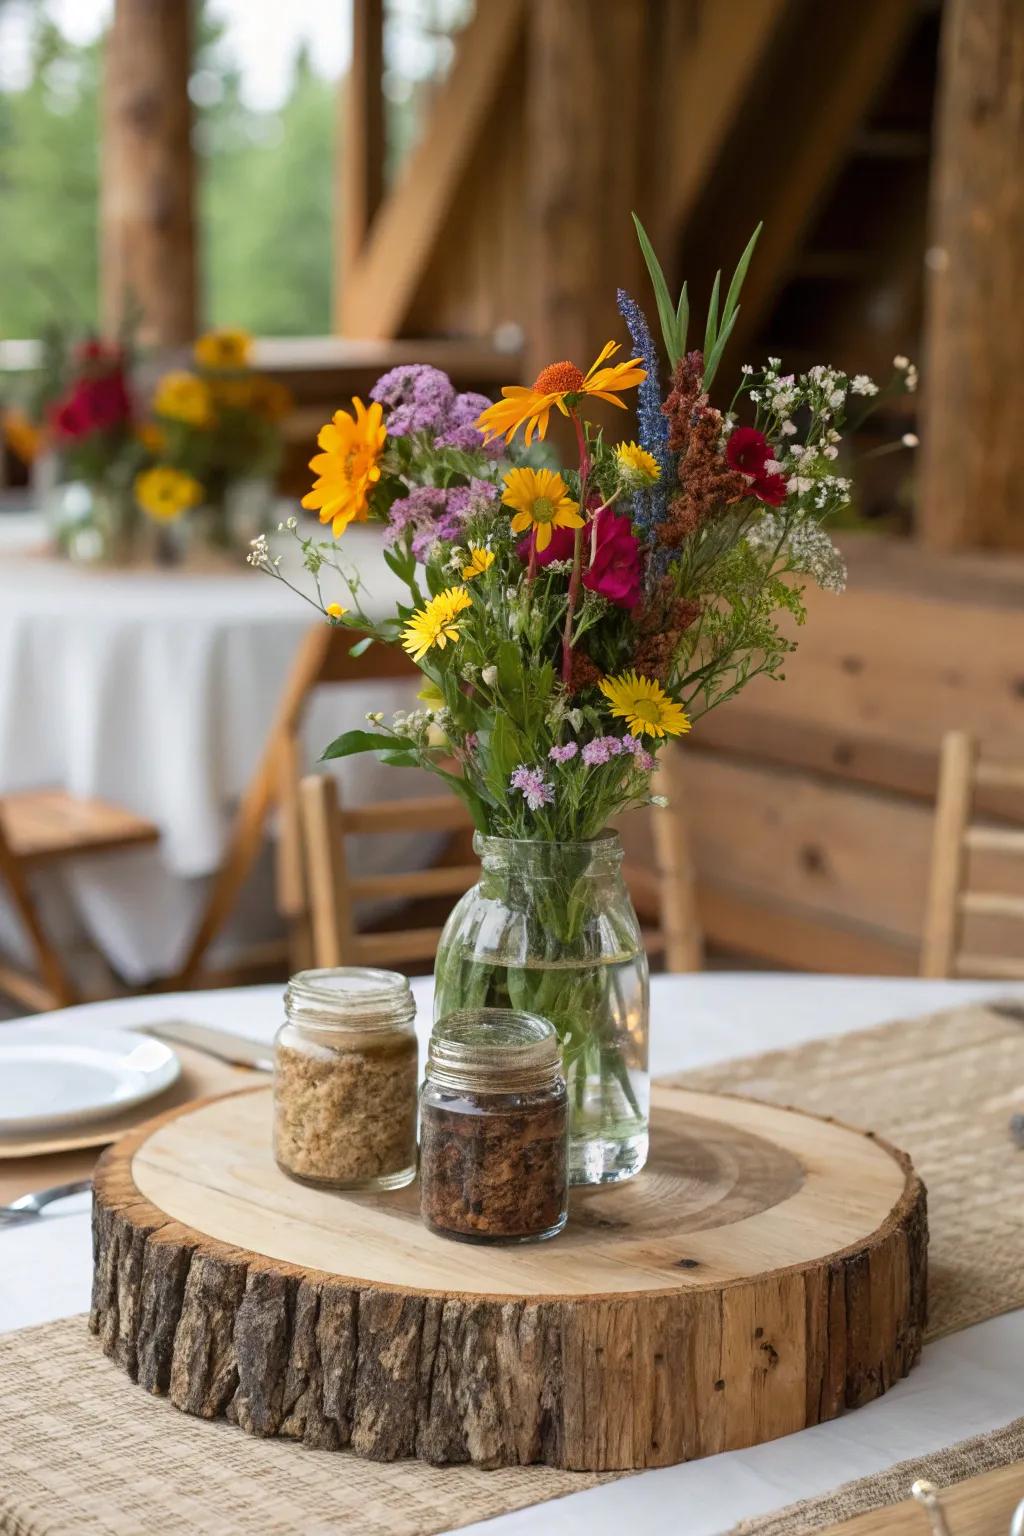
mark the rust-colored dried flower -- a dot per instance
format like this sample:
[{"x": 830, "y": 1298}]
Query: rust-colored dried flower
[{"x": 585, "y": 673}]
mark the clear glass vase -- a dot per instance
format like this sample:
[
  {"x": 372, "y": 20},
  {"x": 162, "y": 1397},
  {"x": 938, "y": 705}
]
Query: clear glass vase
[{"x": 550, "y": 929}]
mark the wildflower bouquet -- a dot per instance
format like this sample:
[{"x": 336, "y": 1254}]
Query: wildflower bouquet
[
  {"x": 213, "y": 427},
  {"x": 569, "y": 621}
]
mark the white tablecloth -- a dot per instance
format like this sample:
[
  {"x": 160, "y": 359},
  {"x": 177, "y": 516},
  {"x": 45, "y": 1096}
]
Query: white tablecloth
[
  {"x": 965, "y": 1385},
  {"x": 156, "y": 689}
]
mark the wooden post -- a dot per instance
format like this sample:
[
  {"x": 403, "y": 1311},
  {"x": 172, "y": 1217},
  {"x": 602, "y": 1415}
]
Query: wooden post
[
  {"x": 973, "y": 460},
  {"x": 147, "y": 229},
  {"x": 585, "y": 85},
  {"x": 362, "y": 144}
]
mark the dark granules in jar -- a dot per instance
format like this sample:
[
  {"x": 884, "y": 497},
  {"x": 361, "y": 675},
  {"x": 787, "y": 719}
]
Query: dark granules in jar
[{"x": 490, "y": 1168}]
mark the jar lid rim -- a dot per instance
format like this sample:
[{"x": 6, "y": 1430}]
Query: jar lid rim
[
  {"x": 493, "y": 1048},
  {"x": 348, "y": 990}
]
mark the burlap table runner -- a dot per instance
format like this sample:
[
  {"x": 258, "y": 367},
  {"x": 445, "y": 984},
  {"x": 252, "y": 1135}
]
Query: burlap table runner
[
  {"x": 943, "y": 1088},
  {"x": 83, "y": 1451}
]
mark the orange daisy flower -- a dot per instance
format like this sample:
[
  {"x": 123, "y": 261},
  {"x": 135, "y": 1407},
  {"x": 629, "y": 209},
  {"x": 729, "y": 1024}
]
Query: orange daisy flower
[
  {"x": 553, "y": 387},
  {"x": 348, "y": 468}
]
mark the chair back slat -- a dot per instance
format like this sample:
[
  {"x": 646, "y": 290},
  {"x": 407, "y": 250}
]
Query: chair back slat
[{"x": 955, "y": 838}]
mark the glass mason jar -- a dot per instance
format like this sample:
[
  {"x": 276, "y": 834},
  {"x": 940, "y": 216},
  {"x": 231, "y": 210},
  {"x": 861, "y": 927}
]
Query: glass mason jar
[
  {"x": 345, "y": 1080},
  {"x": 494, "y": 1129},
  {"x": 550, "y": 929}
]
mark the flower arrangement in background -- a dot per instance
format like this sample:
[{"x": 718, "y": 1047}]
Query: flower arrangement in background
[
  {"x": 214, "y": 426},
  {"x": 570, "y": 621},
  {"x": 91, "y": 421}
]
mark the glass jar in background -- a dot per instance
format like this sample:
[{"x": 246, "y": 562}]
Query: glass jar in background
[
  {"x": 494, "y": 1129},
  {"x": 345, "y": 1080}
]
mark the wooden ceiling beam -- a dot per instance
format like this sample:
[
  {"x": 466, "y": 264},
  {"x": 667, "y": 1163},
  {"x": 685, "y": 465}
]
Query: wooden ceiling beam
[
  {"x": 378, "y": 290},
  {"x": 847, "y": 55},
  {"x": 360, "y": 157}
]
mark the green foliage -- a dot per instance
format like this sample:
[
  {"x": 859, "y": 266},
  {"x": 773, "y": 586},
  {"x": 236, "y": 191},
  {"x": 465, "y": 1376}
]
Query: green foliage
[{"x": 266, "y": 194}]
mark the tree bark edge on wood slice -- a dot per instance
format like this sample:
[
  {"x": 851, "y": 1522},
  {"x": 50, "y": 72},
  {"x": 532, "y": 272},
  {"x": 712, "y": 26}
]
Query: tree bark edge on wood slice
[{"x": 603, "y": 1382}]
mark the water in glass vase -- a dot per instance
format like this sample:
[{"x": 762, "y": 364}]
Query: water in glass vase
[{"x": 600, "y": 1011}]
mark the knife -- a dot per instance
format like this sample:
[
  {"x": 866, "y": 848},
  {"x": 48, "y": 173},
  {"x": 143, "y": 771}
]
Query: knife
[{"x": 237, "y": 1050}]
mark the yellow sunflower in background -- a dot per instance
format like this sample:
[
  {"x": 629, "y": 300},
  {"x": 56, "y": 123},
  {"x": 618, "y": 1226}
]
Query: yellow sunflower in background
[
  {"x": 552, "y": 387},
  {"x": 480, "y": 560},
  {"x": 164, "y": 493},
  {"x": 644, "y": 705},
  {"x": 224, "y": 349},
  {"x": 348, "y": 468},
  {"x": 541, "y": 500},
  {"x": 436, "y": 623},
  {"x": 183, "y": 397}
]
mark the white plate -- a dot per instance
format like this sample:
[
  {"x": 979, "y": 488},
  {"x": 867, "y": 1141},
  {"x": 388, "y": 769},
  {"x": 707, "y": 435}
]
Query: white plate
[{"x": 56, "y": 1075}]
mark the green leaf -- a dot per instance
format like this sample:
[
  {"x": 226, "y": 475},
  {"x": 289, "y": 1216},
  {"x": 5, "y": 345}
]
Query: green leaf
[
  {"x": 711, "y": 329},
  {"x": 666, "y": 310},
  {"x": 354, "y": 742},
  {"x": 682, "y": 321},
  {"x": 711, "y": 363},
  {"x": 399, "y": 759},
  {"x": 732, "y": 298}
]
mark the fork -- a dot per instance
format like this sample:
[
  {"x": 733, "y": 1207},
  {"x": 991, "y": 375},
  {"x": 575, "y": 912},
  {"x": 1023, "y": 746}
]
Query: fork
[{"x": 28, "y": 1207}]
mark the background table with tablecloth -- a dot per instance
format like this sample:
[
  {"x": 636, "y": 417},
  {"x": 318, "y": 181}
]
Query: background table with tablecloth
[{"x": 156, "y": 688}]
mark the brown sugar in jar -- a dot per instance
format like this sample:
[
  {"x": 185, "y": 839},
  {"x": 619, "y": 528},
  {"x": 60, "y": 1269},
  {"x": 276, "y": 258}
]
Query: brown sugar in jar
[
  {"x": 345, "y": 1077},
  {"x": 494, "y": 1129}
]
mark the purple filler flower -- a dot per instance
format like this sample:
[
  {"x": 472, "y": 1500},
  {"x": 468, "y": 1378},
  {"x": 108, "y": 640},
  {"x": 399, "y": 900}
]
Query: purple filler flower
[
  {"x": 536, "y": 790},
  {"x": 601, "y": 750},
  {"x": 415, "y": 397},
  {"x": 644, "y": 760},
  {"x": 564, "y": 754}
]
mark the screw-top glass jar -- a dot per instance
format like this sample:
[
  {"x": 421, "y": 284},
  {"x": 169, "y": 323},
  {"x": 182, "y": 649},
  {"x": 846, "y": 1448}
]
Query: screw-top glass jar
[
  {"x": 494, "y": 1128},
  {"x": 345, "y": 1080}
]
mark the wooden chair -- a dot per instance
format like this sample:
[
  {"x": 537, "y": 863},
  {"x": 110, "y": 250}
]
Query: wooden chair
[
  {"x": 668, "y": 891},
  {"x": 39, "y": 827},
  {"x": 334, "y": 887},
  {"x": 955, "y": 837},
  {"x": 323, "y": 658}
]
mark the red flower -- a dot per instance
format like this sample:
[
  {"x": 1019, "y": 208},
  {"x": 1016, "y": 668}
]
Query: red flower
[
  {"x": 615, "y": 571},
  {"x": 563, "y": 542},
  {"x": 93, "y": 405},
  {"x": 770, "y": 488},
  {"x": 747, "y": 450}
]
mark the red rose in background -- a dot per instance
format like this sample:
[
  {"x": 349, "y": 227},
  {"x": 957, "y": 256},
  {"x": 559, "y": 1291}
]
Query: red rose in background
[
  {"x": 96, "y": 404},
  {"x": 616, "y": 569},
  {"x": 747, "y": 450}
]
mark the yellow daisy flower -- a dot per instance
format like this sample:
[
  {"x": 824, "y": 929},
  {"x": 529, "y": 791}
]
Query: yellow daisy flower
[
  {"x": 348, "y": 468},
  {"x": 541, "y": 500},
  {"x": 224, "y": 349},
  {"x": 335, "y": 611},
  {"x": 480, "y": 560},
  {"x": 437, "y": 623},
  {"x": 164, "y": 493},
  {"x": 636, "y": 464},
  {"x": 183, "y": 397},
  {"x": 21, "y": 435},
  {"x": 644, "y": 705},
  {"x": 553, "y": 386}
]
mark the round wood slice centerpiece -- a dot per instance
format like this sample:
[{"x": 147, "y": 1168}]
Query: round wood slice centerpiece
[{"x": 765, "y": 1272}]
